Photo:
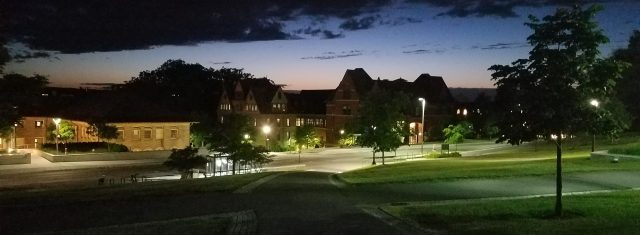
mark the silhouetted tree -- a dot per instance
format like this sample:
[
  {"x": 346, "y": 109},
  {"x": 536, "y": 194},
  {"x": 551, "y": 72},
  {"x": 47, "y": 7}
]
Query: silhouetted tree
[
  {"x": 629, "y": 85},
  {"x": 548, "y": 93},
  {"x": 184, "y": 161}
]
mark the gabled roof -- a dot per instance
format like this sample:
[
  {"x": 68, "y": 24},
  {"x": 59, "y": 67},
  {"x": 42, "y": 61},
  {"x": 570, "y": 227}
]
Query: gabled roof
[
  {"x": 361, "y": 80},
  {"x": 432, "y": 88},
  {"x": 263, "y": 91},
  {"x": 309, "y": 101}
]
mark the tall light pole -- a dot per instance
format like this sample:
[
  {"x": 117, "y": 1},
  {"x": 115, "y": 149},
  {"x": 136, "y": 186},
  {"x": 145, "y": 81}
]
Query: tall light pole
[
  {"x": 57, "y": 122},
  {"x": 266, "y": 129},
  {"x": 594, "y": 103},
  {"x": 424, "y": 102},
  {"x": 14, "y": 135}
]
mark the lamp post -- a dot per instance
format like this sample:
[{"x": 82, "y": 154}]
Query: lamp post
[
  {"x": 57, "y": 122},
  {"x": 424, "y": 102},
  {"x": 266, "y": 130},
  {"x": 14, "y": 135},
  {"x": 374, "y": 148},
  {"x": 595, "y": 104}
]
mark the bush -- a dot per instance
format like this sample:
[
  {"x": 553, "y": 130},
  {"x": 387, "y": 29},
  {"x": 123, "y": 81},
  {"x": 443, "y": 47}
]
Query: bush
[
  {"x": 86, "y": 147},
  {"x": 630, "y": 149},
  {"x": 443, "y": 155}
]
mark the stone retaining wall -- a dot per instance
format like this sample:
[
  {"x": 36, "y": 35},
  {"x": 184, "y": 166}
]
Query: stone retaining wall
[{"x": 10, "y": 159}]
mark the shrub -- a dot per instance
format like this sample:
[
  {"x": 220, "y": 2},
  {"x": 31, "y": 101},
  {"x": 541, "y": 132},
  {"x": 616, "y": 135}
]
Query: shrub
[
  {"x": 443, "y": 155},
  {"x": 86, "y": 147}
]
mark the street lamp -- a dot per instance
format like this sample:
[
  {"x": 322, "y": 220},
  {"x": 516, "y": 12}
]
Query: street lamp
[
  {"x": 14, "y": 135},
  {"x": 341, "y": 132},
  {"x": 57, "y": 122},
  {"x": 266, "y": 130},
  {"x": 594, "y": 103},
  {"x": 424, "y": 102}
]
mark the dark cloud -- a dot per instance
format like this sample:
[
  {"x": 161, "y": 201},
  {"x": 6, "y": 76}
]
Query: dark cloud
[
  {"x": 496, "y": 8},
  {"x": 334, "y": 55},
  {"x": 326, "y": 34},
  {"x": 20, "y": 57},
  {"x": 500, "y": 46},
  {"x": 425, "y": 51},
  {"x": 98, "y": 25},
  {"x": 331, "y": 35},
  {"x": 223, "y": 62},
  {"x": 354, "y": 24}
]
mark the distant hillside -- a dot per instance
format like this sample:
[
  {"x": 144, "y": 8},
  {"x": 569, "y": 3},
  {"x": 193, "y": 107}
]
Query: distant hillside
[{"x": 467, "y": 95}]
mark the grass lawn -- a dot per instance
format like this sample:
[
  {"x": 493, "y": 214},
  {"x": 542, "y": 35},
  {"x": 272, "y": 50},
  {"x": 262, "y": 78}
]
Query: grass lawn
[
  {"x": 212, "y": 224},
  {"x": 604, "y": 213},
  {"x": 128, "y": 191},
  {"x": 528, "y": 160},
  {"x": 629, "y": 149}
]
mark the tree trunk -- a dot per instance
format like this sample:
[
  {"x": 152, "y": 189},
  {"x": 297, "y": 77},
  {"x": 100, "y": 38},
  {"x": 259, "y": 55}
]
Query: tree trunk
[
  {"x": 374, "y": 158},
  {"x": 233, "y": 168},
  {"x": 559, "y": 176},
  {"x": 299, "y": 152},
  {"x": 382, "y": 157}
]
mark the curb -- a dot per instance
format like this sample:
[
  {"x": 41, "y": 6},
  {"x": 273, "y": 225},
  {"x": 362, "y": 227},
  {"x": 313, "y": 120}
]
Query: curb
[
  {"x": 336, "y": 181},
  {"x": 405, "y": 226}
]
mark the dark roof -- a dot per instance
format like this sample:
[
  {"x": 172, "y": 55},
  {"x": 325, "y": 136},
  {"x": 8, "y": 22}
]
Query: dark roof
[
  {"x": 361, "y": 80},
  {"x": 309, "y": 101},
  {"x": 469, "y": 95},
  {"x": 432, "y": 88}
]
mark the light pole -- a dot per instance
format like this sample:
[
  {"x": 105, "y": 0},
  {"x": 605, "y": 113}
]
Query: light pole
[
  {"x": 57, "y": 122},
  {"x": 424, "y": 102},
  {"x": 14, "y": 135},
  {"x": 595, "y": 104},
  {"x": 374, "y": 147},
  {"x": 266, "y": 130}
]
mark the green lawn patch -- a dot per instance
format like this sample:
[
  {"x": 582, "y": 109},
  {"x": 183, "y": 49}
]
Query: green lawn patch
[
  {"x": 629, "y": 149},
  {"x": 530, "y": 160},
  {"x": 603, "y": 213},
  {"x": 129, "y": 191},
  {"x": 212, "y": 224}
]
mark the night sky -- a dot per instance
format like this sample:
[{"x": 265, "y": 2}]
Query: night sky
[{"x": 303, "y": 44}]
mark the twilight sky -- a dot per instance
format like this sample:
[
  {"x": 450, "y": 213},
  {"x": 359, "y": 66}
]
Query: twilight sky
[{"x": 303, "y": 44}]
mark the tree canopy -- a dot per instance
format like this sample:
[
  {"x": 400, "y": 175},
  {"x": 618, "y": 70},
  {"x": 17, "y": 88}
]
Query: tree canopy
[
  {"x": 548, "y": 93},
  {"x": 629, "y": 85},
  {"x": 184, "y": 161},
  {"x": 382, "y": 121}
]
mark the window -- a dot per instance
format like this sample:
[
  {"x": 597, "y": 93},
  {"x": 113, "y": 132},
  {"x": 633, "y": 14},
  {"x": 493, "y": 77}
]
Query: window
[
  {"x": 136, "y": 133},
  {"x": 146, "y": 133},
  {"x": 288, "y": 122},
  {"x": 346, "y": 110},
  {"x": 173, "y": 134},
  {"x": 120, "y": 135},
  {"x": 159, "y": 133},
  {"x": 39, "y": 124},
  {"x": 255, "y": 122},
  {"x": 299, "y": 121}
]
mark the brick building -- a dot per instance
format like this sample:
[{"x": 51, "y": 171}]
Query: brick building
[
  {"x": 31, "y": 132},
  {"x": 329, "y": 111}
]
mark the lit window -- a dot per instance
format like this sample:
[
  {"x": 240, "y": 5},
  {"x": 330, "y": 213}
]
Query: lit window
[
  {"x": 136, "y": 134},
  {"x": 159, "y": 133},
  {"x": 120, "y": 135},
  {"x": 38, "y": 124},
  {"x": 288, "y": 122}
]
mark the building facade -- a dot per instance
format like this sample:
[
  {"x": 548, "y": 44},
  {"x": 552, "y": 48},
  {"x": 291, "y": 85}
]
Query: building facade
[
  {"x": 330, "y": 111},
  {"x": 31, "y": 132}
]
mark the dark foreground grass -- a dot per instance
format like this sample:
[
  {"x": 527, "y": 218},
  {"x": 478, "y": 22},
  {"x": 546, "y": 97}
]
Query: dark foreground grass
[
  {"x": 212, "y": 224},
  {"x": 604, "y": 213},
  {"x": 520, "y": 161},
  {"x": 129, "y": 191}
]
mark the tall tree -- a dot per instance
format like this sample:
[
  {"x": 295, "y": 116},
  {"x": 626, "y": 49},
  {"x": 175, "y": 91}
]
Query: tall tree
[
  {"x": 382, "y": 121},
  {"x": 18, "y": 94},
  {"x": 305, "y": 136},
  {"x": 548, "y": 93},
  {"x": 629, "y": 85}
]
